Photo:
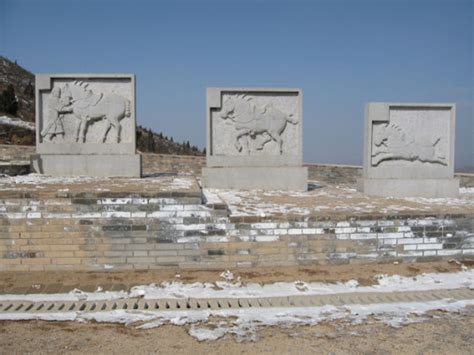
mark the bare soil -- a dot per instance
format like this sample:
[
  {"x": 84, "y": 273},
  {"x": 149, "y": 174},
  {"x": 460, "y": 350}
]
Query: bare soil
[
  {"x": 442, "y": 334},
  {"x": 365, "y": 274}
]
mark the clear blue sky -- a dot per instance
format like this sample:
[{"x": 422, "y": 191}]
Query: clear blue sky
[{"x": 341, "y": 53}]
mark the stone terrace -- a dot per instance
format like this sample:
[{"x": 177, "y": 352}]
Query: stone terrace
[{"x": 167, "y": 221}]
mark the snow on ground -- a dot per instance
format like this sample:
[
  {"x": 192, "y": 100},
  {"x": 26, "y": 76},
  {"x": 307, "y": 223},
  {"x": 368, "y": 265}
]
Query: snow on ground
[
  {"x": 177, "y": 184},
  {"x": 229, "y": 289},
  {"x": 243, "y": 324},
  {"x": 325, "y": 199},
  {"x": 242, "y": 203},
  {"x": 39, "y": 179},
  {"x": 17, "y": 122},
  {"x": 168, "y": 183}
]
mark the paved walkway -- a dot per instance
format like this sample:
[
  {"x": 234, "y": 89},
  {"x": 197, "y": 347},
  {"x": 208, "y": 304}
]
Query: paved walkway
[{"x": 235, "y": 303}]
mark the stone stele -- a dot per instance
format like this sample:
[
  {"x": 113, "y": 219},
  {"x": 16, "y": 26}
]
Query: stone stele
[
  {"x": 254, "y": 139},
  {"x": 85, "y": 125},
  {"x": 409, "y": 150}
]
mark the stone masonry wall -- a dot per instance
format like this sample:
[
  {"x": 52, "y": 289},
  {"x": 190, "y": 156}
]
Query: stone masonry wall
[
  {"x": 167, "y": 163},
  {"x": 93, "y": 231},
  {"x": 336, "y": 174}
]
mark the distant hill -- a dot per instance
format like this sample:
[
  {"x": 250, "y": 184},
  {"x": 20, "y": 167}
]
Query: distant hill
[
  {"x": 24, "y": 84},
  {"x": 152, "y": 142},
  {"x": 14, "y": 131}
]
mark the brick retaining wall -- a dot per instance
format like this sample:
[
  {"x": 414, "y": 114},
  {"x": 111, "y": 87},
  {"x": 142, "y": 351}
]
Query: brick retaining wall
[{"x": 91, "y": 232}]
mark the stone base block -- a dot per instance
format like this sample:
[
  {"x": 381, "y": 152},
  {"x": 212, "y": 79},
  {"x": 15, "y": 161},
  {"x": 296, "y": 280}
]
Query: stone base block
[
  {"x": 249, "y": 178},
  {"x": 108, "y": 165},
  {"x": 431, "y": 188}
]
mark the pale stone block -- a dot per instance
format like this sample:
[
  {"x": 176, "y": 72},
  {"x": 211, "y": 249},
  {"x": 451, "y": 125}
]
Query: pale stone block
[
  {"x": 85, "y": 125},
  {"x": 254, "y": 139},
  {"x": 270, "y": 178},
  {"x": 409, "y": 150}
]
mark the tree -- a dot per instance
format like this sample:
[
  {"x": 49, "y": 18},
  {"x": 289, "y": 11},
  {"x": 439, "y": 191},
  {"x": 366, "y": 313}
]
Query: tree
[
  {"x": 29, "y": 90},
  {"x": 8, "y": 101}
]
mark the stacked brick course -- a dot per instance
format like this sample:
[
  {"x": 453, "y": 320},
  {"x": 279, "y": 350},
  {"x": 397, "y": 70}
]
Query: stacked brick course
[{"x": 108, "y": 230}]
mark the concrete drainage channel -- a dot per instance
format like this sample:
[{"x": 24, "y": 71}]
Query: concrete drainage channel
[{"x": 196, "y": 304}]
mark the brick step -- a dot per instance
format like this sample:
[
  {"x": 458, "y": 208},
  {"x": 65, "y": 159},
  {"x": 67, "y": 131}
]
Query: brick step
[
  {"x": 128, "y": 200},
  {"x": 71, "y": 208}
]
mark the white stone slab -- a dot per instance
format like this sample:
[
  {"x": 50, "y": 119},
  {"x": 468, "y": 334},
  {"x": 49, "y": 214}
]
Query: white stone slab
[
  {"x": 409, "y": 150},
  {"x": 85, "y": 115},
  {"x": 252, "y": 128}
]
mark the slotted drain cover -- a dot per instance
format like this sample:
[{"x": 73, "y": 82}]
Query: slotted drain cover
[{"x": 134, "y": 304}]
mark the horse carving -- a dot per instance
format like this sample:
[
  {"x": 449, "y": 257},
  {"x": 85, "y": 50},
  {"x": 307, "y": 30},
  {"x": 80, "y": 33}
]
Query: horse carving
[
  {"x": 390, "y": 142},
  {"x": 250, "y": 121},
  {"x": 89, "y": 107}
]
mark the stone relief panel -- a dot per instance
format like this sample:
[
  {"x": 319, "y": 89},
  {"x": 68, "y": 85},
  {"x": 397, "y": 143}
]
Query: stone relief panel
[
  {"x": 87, "y": 111},
  {"x": 256, "y": 123},
  {"x": 411, "y": 137}
]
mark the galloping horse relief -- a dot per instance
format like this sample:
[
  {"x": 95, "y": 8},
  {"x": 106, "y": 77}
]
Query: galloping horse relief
[
  {"x": 255, "y": 126},
  {"x": 391, "y": 142},
  {"x": 78, "y": 99}
]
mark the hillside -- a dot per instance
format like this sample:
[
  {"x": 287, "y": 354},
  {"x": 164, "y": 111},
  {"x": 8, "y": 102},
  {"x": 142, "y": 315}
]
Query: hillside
[
  {"x": 23, "y": 82},
  {"x": 14, "y": 131}
]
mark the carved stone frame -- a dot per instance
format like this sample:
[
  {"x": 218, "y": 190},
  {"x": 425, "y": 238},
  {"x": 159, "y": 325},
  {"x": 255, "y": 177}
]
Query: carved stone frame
[
  {"x": 44, "y": 83},
  {"x": 214, "y": 100},
  {"x": 380, "y": 112}
]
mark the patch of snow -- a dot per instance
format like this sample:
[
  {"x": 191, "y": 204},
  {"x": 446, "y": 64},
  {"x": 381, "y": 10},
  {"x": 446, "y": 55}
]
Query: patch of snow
[
  {"x": 227, "y": 275},
  {"x": 17, "y": 122},
  {"x": 177, "y": 184},
  {"x": 202, "y": 334},
  {"x": 244, "y": 323},
  {"x": 226, "y": 289},
  {"x": 445, "y": 201},
  {"x": 211, "y": 196},
  {"x": 242, "y": 203},
  {"x": 466, "y": 190},
  {"x": 39, "y": 180}
]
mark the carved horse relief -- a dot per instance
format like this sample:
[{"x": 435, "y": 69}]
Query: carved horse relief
[
  {"x": 88, "y": 107},
  {"x": 259, "y": 124},
  {"x": 390, "y": 142}
]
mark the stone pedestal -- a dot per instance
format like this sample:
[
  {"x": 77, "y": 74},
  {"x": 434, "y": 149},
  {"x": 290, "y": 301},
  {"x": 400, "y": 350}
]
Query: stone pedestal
[
  {"x": 430, "y": 188},
  {"x": 127, "y": 165},
  {"x": 249, "y": 178}
]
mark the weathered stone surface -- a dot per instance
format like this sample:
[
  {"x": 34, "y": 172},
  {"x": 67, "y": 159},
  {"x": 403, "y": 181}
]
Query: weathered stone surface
[
  {"x": 251, "y": 129},
  {"x": 409, "y": 150},
  {"x": 89, "y": 118}
]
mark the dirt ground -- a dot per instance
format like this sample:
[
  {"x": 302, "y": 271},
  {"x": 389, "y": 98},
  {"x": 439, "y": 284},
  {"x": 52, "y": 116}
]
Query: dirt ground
[
  {"x": 441, "y": 334},
  {"x": 10, "y": 280}
]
